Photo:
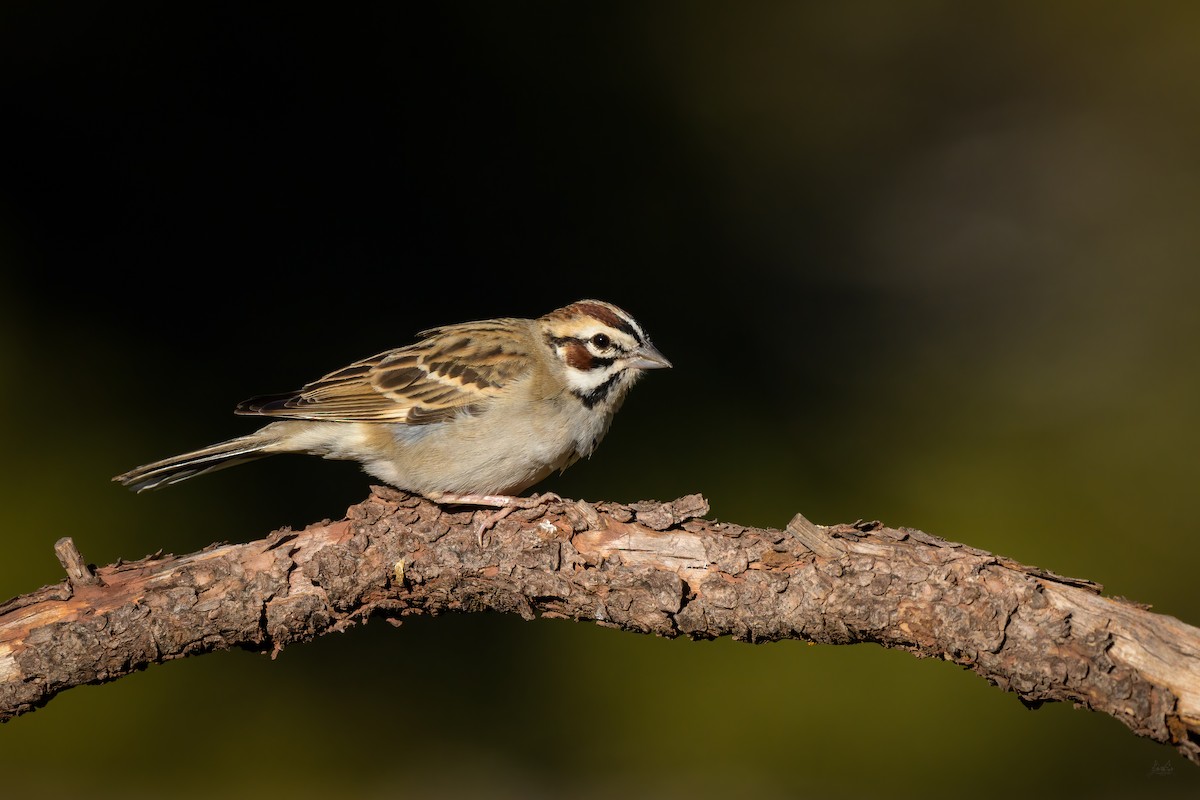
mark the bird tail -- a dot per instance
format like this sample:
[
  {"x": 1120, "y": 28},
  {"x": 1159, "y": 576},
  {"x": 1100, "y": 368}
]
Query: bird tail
[{"x": 198, "y": 462}]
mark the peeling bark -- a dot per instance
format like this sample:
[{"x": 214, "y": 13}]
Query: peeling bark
[{"x": 647, "y": 567}]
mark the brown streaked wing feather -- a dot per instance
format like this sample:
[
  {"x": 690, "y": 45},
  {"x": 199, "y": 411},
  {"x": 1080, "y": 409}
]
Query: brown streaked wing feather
[{"x": 454, "y": 369}]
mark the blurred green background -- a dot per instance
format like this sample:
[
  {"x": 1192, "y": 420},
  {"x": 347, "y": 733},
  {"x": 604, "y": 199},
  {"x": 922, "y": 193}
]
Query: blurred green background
[{"x": 927, "y": 262}]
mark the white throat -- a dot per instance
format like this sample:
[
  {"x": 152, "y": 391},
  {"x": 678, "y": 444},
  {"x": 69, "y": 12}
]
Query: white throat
[{"x": 587, "y": 381}]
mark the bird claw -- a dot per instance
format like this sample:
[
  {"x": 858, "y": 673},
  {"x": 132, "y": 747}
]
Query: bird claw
[{"x": 506, "y": 504}]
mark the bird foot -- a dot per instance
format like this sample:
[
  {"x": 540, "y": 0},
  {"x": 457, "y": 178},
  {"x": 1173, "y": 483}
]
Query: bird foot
[{"x": 506, "y": 504}]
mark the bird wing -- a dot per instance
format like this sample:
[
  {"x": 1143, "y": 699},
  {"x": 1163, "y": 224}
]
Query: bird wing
[{"x": 454, "y": 369}]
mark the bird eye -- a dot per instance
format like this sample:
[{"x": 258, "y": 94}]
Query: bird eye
[{"x": 601, "y": 341}]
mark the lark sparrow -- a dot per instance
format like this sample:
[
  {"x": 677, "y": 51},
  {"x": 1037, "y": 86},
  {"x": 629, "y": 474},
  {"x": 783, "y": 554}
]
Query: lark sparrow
[{"x": 472, "y": 413}]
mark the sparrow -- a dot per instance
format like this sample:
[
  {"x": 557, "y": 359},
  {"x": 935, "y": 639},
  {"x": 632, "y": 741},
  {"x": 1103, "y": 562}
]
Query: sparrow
[{"x": 473, "y": 413}]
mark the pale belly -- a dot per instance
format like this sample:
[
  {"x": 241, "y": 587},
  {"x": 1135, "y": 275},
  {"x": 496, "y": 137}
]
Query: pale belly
[
  {"x": 434, "y": 458},
  {"x": 485, "y": 454}
]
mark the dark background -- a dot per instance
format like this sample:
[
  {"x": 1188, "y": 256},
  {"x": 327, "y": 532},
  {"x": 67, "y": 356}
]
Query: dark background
[{"x": 921, "y": 262}]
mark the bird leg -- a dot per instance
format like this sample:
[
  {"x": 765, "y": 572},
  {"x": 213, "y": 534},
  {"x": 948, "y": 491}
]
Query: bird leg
[{"x": 505, "y": 503}]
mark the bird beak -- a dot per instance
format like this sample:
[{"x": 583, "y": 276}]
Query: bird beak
[{"x": 648, "y": 357}]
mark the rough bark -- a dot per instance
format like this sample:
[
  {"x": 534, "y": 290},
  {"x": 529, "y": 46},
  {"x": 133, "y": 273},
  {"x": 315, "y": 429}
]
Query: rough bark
[{"x": 648, "y": 567}]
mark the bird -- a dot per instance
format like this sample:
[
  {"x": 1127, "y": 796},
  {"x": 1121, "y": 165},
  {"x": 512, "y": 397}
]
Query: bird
[{"x": 473, "y": 413}]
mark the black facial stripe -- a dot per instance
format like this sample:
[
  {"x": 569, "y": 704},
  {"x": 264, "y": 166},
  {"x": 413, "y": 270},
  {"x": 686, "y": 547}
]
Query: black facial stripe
[
  {"x": 593, "y": 362},
  {"x": 607, "y": 315},
  {"x": 597, "y": 395},
  {"x": 632, "y": 331},
  {"x": 625, "y": 327}
]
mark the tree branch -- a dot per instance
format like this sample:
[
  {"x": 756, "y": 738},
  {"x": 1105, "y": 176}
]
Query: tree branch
[{"x": 648, "y": 567}]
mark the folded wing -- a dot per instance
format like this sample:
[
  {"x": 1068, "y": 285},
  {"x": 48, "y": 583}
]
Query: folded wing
[{"x": 453, "y": 370}]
